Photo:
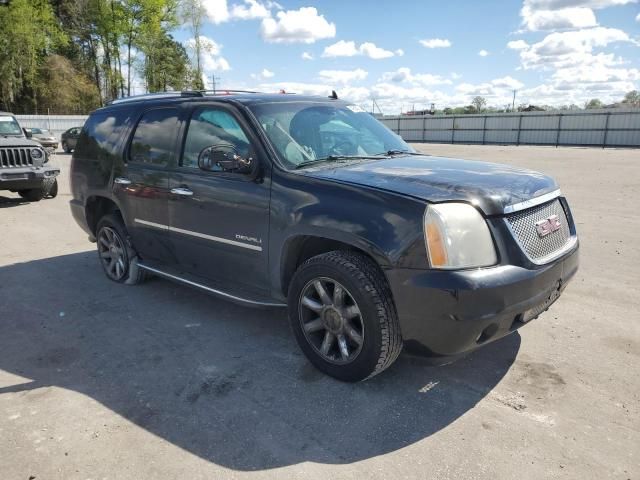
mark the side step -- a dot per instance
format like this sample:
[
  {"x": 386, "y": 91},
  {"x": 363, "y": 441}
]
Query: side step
[{"x": 219, "y": 293}]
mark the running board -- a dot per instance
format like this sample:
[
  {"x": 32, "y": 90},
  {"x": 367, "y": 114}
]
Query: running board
[{"x": 227, "y": 296}]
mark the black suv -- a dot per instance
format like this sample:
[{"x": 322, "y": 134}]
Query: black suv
[
  {"x": 24, "y": 164},
  {"x": 311, "y": 203}
]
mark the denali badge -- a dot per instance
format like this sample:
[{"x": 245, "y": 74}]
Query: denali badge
[{"x": 548, "y": 225}]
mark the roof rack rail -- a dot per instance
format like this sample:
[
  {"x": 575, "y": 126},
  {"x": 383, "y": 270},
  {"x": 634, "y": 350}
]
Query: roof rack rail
[{"x": 151, "y": 96}]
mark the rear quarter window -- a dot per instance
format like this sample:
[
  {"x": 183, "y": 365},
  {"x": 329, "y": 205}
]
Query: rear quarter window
[{"x": 102, "y": 134}]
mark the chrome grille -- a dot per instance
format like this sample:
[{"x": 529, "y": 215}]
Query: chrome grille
[
  {"x": 15, "y": 157},
  {"x": 523, "y": 225}
]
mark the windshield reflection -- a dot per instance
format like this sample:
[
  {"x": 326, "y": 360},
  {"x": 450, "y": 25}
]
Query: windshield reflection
[{"x": 304, "y": 133}]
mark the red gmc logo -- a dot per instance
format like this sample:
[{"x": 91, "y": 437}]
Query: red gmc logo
[{"x": 548, "y": 225}]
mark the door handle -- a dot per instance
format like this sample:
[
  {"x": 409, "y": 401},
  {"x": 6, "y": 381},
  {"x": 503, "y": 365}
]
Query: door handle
[
  {"x": 182, "y": 191},
  {"x": 122, "y": 181}
]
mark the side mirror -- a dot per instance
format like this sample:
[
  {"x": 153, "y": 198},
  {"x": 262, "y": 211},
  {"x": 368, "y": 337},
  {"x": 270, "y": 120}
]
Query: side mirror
[
  {"x": 224, "y": 157},
  {"x": 27, "y": 133}
]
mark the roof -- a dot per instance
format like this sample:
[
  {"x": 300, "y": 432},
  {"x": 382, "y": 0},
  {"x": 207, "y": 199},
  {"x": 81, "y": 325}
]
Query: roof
[{"x": 244, "y": 97}]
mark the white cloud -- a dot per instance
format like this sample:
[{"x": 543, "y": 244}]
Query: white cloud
[
  {"x": 250, "y": 10},
  {"x": 343, "y": 76},
  {"x": 435, "y": 43},
  {"x": 563, "y": 14},
  {"x": 404, "y": 75},
  {"x": 483, "y": 53},
  {"x": 341, "y": 49},
  {"x": 305, "y": 25},
  {"x": 212, "y": 60},
  {"x": 575, "y": 17},
  {"x": 307, "y": 56},
  {"x": 517, "y": 45},
  {"x": 638, "y": 18},
  {"x": 216, "y": 10},
  {"x": 496, "y": 90},
  {"x": 399, "y": 52},
  {"x": 455, "y": 75},
  {"x": 370, "y": 50},
  {"x": 350, "y": 49},
  {"x": 563, "y": 49},
  {"x": 264, "y": 74}
]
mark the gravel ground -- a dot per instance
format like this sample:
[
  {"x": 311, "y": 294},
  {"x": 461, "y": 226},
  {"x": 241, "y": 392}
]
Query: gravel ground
[{"x": 99, "y": 380}]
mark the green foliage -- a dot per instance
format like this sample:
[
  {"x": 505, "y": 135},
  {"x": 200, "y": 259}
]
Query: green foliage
[
  {"x": 593, "y": 103},
  {"x": 28, "y": 34},
  {"x": 632, "y": 99}
]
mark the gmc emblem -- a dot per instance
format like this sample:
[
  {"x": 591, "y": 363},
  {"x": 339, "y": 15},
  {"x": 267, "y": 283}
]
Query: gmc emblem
[{"x": 548, "y": 225}]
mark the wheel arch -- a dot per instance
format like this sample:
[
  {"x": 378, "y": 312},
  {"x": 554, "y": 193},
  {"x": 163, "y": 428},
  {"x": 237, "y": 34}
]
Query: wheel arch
[
  {"x": 96, "y": 207},
  {"x": 299, "y": 248}
]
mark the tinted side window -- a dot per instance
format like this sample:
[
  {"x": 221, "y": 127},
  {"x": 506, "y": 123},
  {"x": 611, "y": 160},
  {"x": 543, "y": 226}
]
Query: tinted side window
[
  {"x": 154, "y": 137},
  {"x": 102, "y": 133},
  {"x": 209, "y": 127}
]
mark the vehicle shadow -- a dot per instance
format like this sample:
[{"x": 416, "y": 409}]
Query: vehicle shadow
[
  {"x": 6, "y": 202},
  {"x": 224, "y": 382}
]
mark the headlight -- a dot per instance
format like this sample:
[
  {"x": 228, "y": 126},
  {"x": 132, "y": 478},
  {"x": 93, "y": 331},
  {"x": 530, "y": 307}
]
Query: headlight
[
  {"x": 36, "y": 153},
  {"x": 457, "y": 236}
]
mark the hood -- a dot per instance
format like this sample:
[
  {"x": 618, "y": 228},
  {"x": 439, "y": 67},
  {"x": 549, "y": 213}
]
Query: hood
[
  {"x": 490, "y": 186},
  {"x": 10, "y": 141}
]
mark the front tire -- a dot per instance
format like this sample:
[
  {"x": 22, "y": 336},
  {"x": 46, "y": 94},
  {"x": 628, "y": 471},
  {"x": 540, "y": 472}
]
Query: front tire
[
  {"x": 118, "y": 258},
  {"x": 33, "y": 194},
  {"x": 65, "y": 147},
  {"x": 343, "y": 317}
]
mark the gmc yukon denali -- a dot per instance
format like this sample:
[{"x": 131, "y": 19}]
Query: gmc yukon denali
[{"x": 311, "y": 203}]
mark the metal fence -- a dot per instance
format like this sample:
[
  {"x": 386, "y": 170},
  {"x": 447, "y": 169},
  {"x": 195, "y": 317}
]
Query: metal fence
[
  {"x": 602, "y": 128},
  {"x": 56, "y": 124}
]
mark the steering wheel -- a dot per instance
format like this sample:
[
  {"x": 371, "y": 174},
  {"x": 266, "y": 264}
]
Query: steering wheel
[{"x": 344, "y": 147}]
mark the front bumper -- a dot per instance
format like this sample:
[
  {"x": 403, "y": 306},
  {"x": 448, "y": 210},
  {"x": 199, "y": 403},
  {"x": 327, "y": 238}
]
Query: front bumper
[
  {"x": 26, "y": 177},
  {"x": 449, "y": 313}
]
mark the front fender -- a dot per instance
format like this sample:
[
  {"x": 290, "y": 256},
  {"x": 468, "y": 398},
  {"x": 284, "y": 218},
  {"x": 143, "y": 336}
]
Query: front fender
[{"x": 386, "y": 226}]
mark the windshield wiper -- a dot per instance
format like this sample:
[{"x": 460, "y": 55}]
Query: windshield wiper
[
  {"x": 390, "y": 153},
  {"x": 335, "y": 158}
]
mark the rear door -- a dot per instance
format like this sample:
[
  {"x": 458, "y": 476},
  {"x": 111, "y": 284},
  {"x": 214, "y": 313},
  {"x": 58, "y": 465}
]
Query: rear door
[
  {"x": 142, "y": 183},
  {"x": 219, "y": 220}
]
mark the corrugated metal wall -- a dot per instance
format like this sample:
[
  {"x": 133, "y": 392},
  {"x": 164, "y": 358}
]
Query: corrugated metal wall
[
  {"x": 55, "y": 123},
  {"x": 604, "y": 128}
]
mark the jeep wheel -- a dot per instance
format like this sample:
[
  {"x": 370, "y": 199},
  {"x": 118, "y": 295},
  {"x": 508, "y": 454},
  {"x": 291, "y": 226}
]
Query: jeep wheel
[
  {"x": 343, "y": 317},
  {"x": 119, "y": 260},
  {"x": 32, "y": 194},
  {"x": 52, "y": 189}
]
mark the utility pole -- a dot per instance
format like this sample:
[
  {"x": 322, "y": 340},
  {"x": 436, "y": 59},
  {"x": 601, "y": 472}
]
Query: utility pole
[
  {"x": 214, "y": 78},
  {"x": 513, "y": 103}
]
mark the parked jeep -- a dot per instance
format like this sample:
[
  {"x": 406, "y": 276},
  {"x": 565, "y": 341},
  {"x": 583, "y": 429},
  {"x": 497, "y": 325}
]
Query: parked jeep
[
  {"x": 24, "y": 164},
  {"x": 311, "y": 203}
]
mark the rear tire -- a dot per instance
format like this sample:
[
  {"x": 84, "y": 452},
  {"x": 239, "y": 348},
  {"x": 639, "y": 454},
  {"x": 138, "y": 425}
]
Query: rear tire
[
  {"x": 351, "y": 331},
  {"x": 33, "y": 194},
  {"x": 117, "y": 256}
]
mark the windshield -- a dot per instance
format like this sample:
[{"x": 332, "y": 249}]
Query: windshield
[
  {"x": 9, "y": 126},
  {"x": 305, "y": 132},
  {"x": 40, "y": 131}
]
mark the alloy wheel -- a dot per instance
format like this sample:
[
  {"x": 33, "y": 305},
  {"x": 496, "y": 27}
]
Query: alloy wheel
[
  {"x": 331, "y": 320},
  {"x": 112, "y": 253}
]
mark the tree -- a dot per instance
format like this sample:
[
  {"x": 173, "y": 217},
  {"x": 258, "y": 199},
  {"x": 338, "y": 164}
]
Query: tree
[
  {"x": 479, "y": 103},
  {"x": 28, "y": 33},
  {"x": 168, "y": 67},
  {"x": 632, "y": 98},
  {"x": 593, "y": 103},
  {"x": 193, "y": 13}
]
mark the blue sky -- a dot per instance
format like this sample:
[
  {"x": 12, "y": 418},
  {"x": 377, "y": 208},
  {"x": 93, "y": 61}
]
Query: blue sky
[{"x": 405, "y": 53}]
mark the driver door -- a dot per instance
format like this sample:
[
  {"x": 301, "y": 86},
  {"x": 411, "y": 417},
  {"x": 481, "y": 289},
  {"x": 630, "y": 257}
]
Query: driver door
[{"x": 219, "y": 220}]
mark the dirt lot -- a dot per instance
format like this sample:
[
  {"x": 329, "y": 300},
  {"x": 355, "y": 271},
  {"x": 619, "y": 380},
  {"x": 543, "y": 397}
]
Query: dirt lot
[{"x": 99, "y": 380}]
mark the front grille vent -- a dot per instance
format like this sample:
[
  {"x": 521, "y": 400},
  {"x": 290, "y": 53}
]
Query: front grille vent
[
  {"x": 539, "y": 248},
  {"x": 15, "y": 157}
]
